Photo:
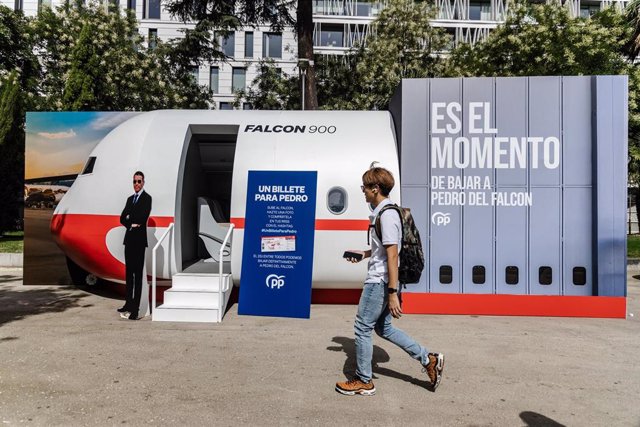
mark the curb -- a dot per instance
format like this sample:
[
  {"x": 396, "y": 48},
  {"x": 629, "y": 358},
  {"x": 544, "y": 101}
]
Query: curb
[{"x": 11, "y": 260}]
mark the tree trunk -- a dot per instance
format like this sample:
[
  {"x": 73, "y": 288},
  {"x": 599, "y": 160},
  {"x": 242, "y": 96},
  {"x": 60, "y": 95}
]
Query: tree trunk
[{"x": 305, "y": 52}]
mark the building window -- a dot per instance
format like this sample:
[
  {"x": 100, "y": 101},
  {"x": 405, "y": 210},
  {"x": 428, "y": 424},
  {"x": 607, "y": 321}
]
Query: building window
[
  {"x": 238, "y": 79},
  {"x": 151, "y": 9},
  {"x": 479, "y": 11},
  {"x": 44, "y": 3},
  {"x": 214, "y": 79},
  {"x": 227, "y": 43},
  {"x": 153, "y": 38},
  {"x": 226, "y": 106},
  {"x": 272, "y": 45},
  {"x": 332, "y": 35},
  {"x": 195, "y": 72},
  {"x": 586, "y": 11},
  {"x": 248, "y": 44},
  {"x": 131, "y": 5},
  {"x": 247, "y": 106},
  {"x": 18, "y": 5}
]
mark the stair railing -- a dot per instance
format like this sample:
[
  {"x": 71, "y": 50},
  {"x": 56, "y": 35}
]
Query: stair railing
[
  {"x": 153, "y": 267},
  {"x": 220, "y": 264}
]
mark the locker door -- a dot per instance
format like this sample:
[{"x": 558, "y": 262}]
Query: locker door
[
  {"x": 578, "y": 245},
  {"x": 545, "y": 274},
  {"x": 511, "y": 120},
  {"x": 477, "y": 247},
  {"x": 511, "y": 248},
  {"x": 445, "y": 221},
  {"x": 577, "y": 164},
  {"x": 544, "y": 121}
]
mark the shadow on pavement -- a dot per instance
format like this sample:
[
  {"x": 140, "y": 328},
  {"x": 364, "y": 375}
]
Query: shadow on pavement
[
  {"x": 348, "y": 346},
  {"x": 533, "y": 419},
  {"x": 19, "y": 304}
]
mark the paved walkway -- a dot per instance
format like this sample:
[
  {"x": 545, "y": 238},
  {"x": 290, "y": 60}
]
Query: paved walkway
[{"x": 67, "y": 359}]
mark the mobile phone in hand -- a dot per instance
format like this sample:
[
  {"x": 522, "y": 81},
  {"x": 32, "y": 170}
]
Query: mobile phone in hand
[{"x": 355, "y": 255}]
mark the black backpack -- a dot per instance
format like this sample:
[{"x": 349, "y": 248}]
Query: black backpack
[{"x": 411, "y": 254}]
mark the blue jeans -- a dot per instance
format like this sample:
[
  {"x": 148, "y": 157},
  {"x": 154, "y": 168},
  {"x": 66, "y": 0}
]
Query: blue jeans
[{"x": 373, "y": 314}]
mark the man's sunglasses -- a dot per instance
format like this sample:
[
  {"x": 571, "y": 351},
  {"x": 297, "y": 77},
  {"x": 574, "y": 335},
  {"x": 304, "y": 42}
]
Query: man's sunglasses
[
  {"x": 137, "y": 181},
  {"x": 370, "y": 186}
]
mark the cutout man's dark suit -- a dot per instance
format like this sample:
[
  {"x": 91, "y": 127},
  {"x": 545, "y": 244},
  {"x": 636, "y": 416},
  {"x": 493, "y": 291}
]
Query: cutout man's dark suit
[{"x": 135, "y": 244}]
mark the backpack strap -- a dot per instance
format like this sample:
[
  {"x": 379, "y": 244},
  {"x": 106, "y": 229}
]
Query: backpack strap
[{"x": 378, "y": 226}]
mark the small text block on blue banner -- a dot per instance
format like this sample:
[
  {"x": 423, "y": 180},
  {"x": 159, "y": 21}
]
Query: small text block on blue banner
[{"x": 277, "y": 254}]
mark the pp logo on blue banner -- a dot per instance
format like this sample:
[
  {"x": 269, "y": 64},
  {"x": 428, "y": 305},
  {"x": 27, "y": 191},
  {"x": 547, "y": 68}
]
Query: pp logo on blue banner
[{"x": 274, "y": 281}]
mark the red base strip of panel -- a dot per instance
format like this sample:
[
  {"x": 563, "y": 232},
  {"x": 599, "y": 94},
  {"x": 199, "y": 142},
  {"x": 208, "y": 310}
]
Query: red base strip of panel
[{"x": 515, "y": 305}]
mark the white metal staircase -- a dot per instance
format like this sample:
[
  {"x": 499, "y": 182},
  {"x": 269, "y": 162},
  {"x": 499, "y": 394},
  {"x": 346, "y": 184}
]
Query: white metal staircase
[
  {"x": 195, "y": 296},
  {"x": 200, "y": 293}
]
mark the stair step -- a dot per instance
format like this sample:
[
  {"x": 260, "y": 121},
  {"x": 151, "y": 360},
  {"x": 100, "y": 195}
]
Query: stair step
[
  {"x": 163, "y": 313},
  {"x": 191, "y": 297},
  {"x": 202, "y": 281}
]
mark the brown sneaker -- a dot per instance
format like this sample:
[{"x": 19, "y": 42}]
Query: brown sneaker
[
  {"x": 355, "y": 386},
  {"x": 434, "y": 369}
]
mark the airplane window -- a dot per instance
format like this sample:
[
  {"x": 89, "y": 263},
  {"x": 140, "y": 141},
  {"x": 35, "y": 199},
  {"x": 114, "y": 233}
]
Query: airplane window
[
  {"x": 337, "y": 200},
  {"x": 88, "y": 168}
]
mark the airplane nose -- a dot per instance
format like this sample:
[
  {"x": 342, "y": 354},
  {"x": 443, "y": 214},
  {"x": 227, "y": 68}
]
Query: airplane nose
[{"x": 82, "y": 237}]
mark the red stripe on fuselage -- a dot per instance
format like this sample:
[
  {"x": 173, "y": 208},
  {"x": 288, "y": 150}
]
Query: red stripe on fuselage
[
  {"x": 82, "y": 237},
  {"x": 324, "y": 224}
]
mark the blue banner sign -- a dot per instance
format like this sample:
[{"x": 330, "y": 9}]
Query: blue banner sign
[{"x": 277, "y": 255}]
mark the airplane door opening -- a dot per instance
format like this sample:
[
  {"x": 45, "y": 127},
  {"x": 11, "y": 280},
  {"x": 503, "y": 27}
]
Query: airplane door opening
[{"x": 204, "y": 195}]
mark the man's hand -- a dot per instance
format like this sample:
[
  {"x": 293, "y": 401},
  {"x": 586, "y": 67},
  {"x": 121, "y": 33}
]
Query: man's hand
[
  {"x": 394, "y": 306},
  {"x": 356, "y": 260}
]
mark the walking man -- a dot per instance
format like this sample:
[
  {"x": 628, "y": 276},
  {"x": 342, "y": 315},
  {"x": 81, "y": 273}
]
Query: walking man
[
  {"x": 134, "y": 217},
  {"x": 380, "y": 296}
]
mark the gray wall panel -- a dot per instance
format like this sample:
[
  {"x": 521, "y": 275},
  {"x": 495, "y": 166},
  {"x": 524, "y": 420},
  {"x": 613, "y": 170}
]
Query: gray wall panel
[
  {"x": 610, "y": 206},
  {"x": 511, "y": 247},
  {"x": 511, "y": 120},
  {"x": 544, "y": 121},
  {"x": 544, "y": 240},
  {"x": 477, "y": 249},
  {"x": 576, "y": 128},
  {"x": 415, "y": 128},
  {"x": 577, "y": 238},
  {"x": 445, "y": 240}
]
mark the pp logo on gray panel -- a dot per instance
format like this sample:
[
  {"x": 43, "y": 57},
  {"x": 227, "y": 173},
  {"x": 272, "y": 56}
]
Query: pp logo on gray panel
[
  {"x": 440, "y": 218},
  {"x": 274, "y": 281}
]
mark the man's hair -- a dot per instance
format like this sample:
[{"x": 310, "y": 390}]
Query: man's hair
[
  {"x": 139, "y": 173},
  {"x": 380, "y": 177}
]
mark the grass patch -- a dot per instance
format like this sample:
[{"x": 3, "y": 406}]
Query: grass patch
[
  {"x": 12, "y": 242},
  {"x": 633, "y": 246}
]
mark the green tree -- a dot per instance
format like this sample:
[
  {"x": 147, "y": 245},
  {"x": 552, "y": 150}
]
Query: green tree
[
  {"x": 271, "y": 89},
  {"x": 83, "y": 84},
  {"x": 539, "y": 40},
  {"x": 11, "y": 150},
  {"x": 224, "y": 16},
  {"x": 96, "y": 60}
]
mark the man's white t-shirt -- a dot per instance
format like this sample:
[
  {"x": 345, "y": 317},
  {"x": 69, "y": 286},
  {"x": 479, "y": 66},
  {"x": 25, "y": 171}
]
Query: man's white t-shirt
[{"x": 391, "y": 230}]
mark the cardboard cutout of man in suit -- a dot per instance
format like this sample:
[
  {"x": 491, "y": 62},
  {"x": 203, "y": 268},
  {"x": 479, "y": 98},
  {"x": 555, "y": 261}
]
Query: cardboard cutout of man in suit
[{"x": 134, "y": 218}]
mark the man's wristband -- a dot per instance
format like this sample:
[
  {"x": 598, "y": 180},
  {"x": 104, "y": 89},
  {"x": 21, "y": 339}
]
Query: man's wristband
[{"x": 393, "y": 290}]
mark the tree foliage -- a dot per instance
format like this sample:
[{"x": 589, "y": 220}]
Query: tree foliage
[
  {"x": 271, "y": 89},
  {"x": 543, "y": 40},
  {"x": 11, "y": 150},
  {"x": 96, "y": 60},
  {"x": 403, "y": 44}
]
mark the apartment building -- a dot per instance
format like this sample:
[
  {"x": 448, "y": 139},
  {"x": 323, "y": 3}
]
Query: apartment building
[{"x": 339, "y": 25}]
